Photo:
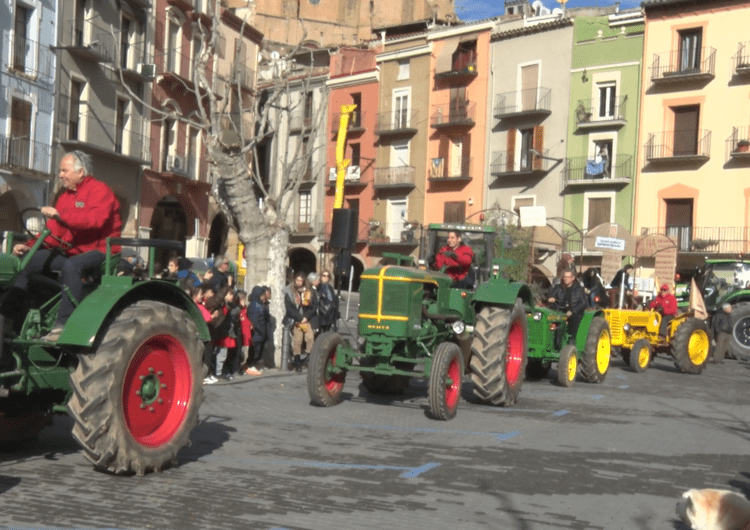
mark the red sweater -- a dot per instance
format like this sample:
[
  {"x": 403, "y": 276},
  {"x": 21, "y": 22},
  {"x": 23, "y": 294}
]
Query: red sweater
[
  {"x": 668, "y": 303},
  {"x": 458, "y": 267},
  {"x": 89, "y": 214},
  {"x": 246, "y": 327}
]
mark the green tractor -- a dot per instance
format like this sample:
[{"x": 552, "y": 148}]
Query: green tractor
[
  {"x": 410, "y": 317},
  {"x": 128, "y": 367}
]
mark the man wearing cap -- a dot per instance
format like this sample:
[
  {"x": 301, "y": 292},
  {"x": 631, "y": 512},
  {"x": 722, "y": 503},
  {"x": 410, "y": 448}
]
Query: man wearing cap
[
  {"x": 721, "y": 324},
  {"x": 666, "y": 304}
]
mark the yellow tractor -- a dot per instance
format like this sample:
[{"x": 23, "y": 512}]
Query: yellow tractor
[{"x": 636, "y": 334}]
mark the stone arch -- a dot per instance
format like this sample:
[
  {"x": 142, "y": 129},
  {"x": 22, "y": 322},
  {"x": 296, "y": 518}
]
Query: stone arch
[
  {"x": 217, "y": 235},
  {"x": 302, "y": 258},
  {"x": 169, "y": 221}
]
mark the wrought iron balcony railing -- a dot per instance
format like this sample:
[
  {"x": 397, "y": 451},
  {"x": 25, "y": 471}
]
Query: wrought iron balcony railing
[
  {"x": 24, "y": 153},
  {"x": 593, "y": 112},
  {"x": 707, "y": 240},
  {"x": 446, "y": 169},
  {"x": 396, "y": 122},
  {"x": 89, "y": 40},
  {"x": 678, "y": 145},
  {"x": 583, "y": 170},
  {"x": 394, "y": 177},
  {"x": 459, "y": 113},
  {"x": 32, "y": 59},
  {"x": 532, "y": 101},
  {"x": 505, "y": 163},
  {"x": 127, "y": 140},
  {"x": 738, "y": 144},
  {"x": 676, "y": 66}
]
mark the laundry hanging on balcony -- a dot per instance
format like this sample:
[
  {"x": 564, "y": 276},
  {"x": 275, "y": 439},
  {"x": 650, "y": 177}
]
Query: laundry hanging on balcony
[{"x": 595, "y": 168}]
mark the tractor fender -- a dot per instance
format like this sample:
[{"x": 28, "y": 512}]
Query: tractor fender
[
  {"x": 502, "y": 293},
  {"x": 97, "y": 308},
  {"x": 583, "y": 328}
]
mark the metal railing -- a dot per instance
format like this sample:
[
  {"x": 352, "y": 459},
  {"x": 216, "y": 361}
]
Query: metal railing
[
  {"x": 709, "y": 240},
  {"x": 298, "y": 122},
  {"x": 456, "y": 113},
  {"x": 395, "y": 120},
  {"x": 675, "y": 144},
  {"x": 591, "y": 110},
  {"x": 395, "y": 176},
  {"x": 463, "y": 64},
  {"x": 356, "y": 120},
  {"x": 444, "y": 168},
  {"x": 527, "y": 100},
  {"x": 131, "y": 55},
  {"x": 741, "y": 60},
  {"x": 738, "y": 143},
  {"x": 87, "y": 35},
  {"x": 32, "y": 59},
  {"x": 674, "y": 63},
  {"x": 128, "y": 141},
  {"x": 24, "y": 153},
  {"x": 504, "y": 162},
  {"x": 584, "y": 169}
]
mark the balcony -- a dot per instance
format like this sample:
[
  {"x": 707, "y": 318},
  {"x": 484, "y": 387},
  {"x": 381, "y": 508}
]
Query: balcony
[
  {"x": 457, "y": 114},
  {"x": 135, "y": 61},
  {"x": 738, "y": 144},
  {"x": 591, "y": 114},
  {"x": 396, "y": 123},
  {"x": 741, "y": 60},
  {"x": 31, "y": 60},
  {"x": 464, "y": 67},
  {"x": 177, "y": 67},
  {"x": 449, "y": 170},
  {"x": 243, "y": 76},
  {"x": 19, "y": 153},
  {"x": 89, "y": 41},
  {"x": 670, "y": 68},
  {"x": 394, "y": 177},
  {"x": 355, "y": 177},
  {"x": 298, "y": 122},
  {"x": 88, "y": 129},
  {"x": 706, "y": 240},
  {"x": 529, "y": 103},
  {"x": 583, "y": 171},
  {"x": 363, "y": 231},
  {"x": 670, "y": 147},
  {"x": 305, "y": 229},
  {"x": 506, "y": 164},
  {"x": 355, "y": 125},
  {"x": 401, "y": 234}
]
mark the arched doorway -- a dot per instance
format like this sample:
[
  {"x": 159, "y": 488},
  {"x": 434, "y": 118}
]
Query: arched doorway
[
  {"x": 217, "y": 236},
  {"x": 302, "y": 259},
  {"x": 168, "y": 222}
]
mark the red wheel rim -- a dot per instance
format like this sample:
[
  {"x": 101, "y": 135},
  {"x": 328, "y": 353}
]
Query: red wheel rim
[
  {"x": 453, "y": 389},
  {"x": 334, "y": 381},
  {"x": 514, "y": 355},
  {"x": 156, "y": 391}
]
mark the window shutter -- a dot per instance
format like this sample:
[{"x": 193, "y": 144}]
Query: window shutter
[
  {"x": 510, "y": 153},
  {"x": 538, "y": 146},
  {"x": 466, "y": 156}
]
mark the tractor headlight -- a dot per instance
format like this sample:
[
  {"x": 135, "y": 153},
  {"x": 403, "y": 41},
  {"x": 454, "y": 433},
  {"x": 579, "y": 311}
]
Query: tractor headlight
[
  {"x": 459, "y": 327},
  {"x": 537, "y": 316},
  {"x": 626, "y": 327}
]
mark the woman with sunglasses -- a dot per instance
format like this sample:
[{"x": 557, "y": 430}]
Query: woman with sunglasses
[{"x": 327, "y": 313}]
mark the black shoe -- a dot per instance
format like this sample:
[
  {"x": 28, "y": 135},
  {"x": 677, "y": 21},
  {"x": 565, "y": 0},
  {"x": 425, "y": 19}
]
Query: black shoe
[{"x": 297, "y": 365}]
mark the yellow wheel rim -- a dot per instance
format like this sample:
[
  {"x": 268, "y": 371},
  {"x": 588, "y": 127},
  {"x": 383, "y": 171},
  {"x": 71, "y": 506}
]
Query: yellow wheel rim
[
  {"x": 643, "y": 357},
  {"x": 572, "y": 368},
  {"x": 698, "y": 347},
  {"x": 603, "y": 351}
]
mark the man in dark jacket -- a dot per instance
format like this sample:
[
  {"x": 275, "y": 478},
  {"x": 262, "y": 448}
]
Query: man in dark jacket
[
  {"x": 256, "y": 312},
  {"x": 569, "y": 297},
  {"x": 721, "y": 323}
]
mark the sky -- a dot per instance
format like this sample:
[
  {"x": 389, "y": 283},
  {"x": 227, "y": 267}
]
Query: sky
[{"x": 478, "y": 9}]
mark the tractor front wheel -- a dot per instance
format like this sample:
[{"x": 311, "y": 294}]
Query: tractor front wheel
[
  {"x": 324, "y": 384},
  {"x": 499, "y": 353},
  {"x": 445, "y": 381},
  {"x": 596, "y": 357},
  {"x": 739, "y": 346},
  {"x": 136, "y": 399},
  {"x": 567, "y": 366},
  {"x": 640, "y": 355},
  {"x": 691, "y": 345}
]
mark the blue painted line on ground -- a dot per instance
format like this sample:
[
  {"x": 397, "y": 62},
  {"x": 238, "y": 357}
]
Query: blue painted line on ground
[
  {"x": 597, "y": 396},
  {"x": 560, "y": 413},
  {"x": 623, "y": 387},
  {"x": 621, "y": 377},
  {"x": 508, "y": 436}
]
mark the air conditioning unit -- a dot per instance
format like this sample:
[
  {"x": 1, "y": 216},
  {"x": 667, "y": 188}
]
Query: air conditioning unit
[
  {"x": 175, "y": 163},
  {"x": 147, "y": 70},
  {"x": 352, "y": 173}
]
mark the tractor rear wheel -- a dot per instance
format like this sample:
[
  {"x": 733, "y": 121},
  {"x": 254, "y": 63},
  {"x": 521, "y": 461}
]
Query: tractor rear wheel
[
  {"x": 739, "y": 346},
  {"x": 596, "y": 357},
  {"x": 499, "y": 353},
  {"x": 384, "y": 384},
  {"x": 136, "y": 399},
  {"x": 567, "y": 366},
  {"x": 691, "y": 345},
  {"x": 640, "y": 355},
  {"x": 445, "y": 381},
  {"x": 323, "y": 384}
]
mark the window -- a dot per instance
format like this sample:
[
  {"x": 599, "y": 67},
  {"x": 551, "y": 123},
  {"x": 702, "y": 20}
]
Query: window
[
  {"x": 355, "y": 154},
  {"x": 20, "y": 133},
  {"x": 124, "y": 42},
  {"x": 690, "y": 49},
  {"x": 168, "y": 132},
  {"x": 305, "y": 208},
  {"x": 600, "y": 211},
  {"x": 529, "y": 86},
  {"x": 527, "y": 143},
  {"x": 679, "y": 221},
  {"x": 454, "y": 212},
  {"x": 401, "y": 109},
  {"x": 686, "y": 130},
  {"x": 192, "y": 155},
  {"x": 458, "y": 104},
  {"x": 521, "y": 202},
  {"x": 19, "y": 38},
  {"x": 308, "y": 110},
  {"x": 599, "y": 164},
  {"x": 403, "y": 69},
  {"x": 356, "y": 118},
  {"x": 465, "y": 56},
  {"x": 400, "y": 154},
  {"x": 74, "y": 116},
  {"x": 120, "y": 117},
  {"x": 196, "y": 53},
  {"x": 607, "y": 100},
  {"x": 79, "y": 22},
  {"x": 173, "y": 40}
]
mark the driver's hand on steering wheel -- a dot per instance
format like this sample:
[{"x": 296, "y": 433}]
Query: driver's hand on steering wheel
[
  {"x": 49, "y": 211},
  {"x": 20, "y": 249}
]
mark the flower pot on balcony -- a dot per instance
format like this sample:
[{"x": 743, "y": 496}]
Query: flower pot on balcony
[{"x": 743, "y": 146}]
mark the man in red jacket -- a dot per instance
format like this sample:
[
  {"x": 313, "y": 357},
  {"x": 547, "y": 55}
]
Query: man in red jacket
[
  {"x": 457, "y": 259},
  {"x": 86, "y": 213},
  {"x": 666, "y": 303}
]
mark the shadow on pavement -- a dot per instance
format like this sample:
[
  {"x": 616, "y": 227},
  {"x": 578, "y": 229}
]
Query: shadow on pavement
[{"x": 208, "y": 436}]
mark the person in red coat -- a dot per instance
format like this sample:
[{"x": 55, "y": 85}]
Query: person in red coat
[
  {"x": 666, "y": 304},
  {"x": 84, "y": 216},
  {"x": 457, "y": 258}
]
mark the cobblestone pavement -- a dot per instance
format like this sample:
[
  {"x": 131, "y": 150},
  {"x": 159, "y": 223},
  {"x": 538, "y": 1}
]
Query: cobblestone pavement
[{"x": 612, "y": 456}]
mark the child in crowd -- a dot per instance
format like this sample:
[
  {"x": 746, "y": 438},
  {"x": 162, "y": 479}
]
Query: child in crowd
[
  {"x": 196, "y": 293},
  {"x": 246, "y": 335}
]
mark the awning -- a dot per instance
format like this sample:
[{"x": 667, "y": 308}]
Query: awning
[
  {"x": 610, "y": 230},
  {"x": 444, "y": 60},
  {"x": 546, "y": 235}
]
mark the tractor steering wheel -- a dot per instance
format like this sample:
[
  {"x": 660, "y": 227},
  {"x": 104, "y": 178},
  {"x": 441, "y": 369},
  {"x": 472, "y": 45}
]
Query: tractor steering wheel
[{"x": 34, "y": 221}]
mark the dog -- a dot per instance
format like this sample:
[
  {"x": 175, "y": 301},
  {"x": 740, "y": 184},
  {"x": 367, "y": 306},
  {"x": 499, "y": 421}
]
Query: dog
[{"x": 710, "y": 509}]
